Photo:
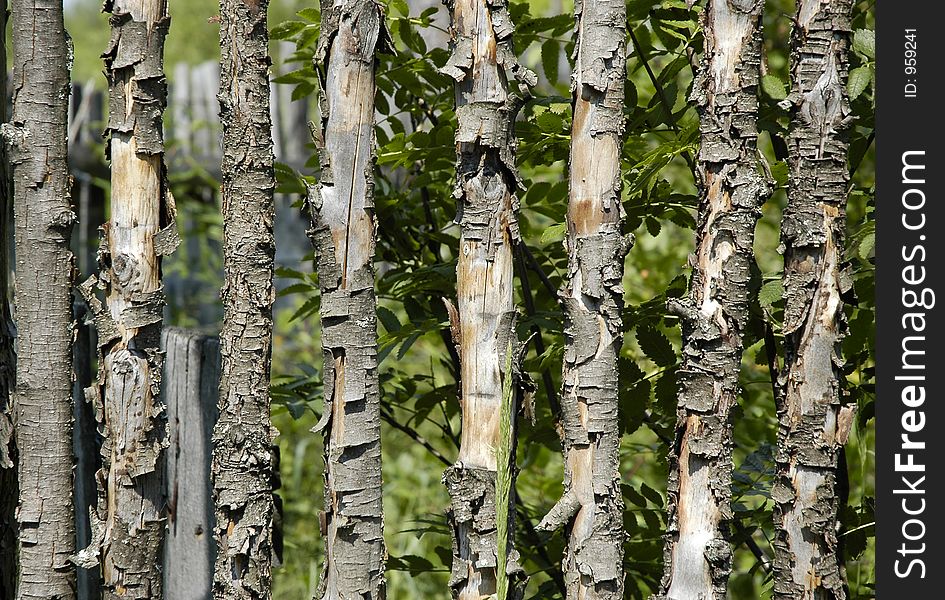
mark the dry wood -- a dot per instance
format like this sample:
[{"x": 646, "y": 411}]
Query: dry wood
[
  {"x": 814, "y": 418},
  {"x": 482, "y": 63},
  {"x": 697, "y": 555},
  {"x": 191, "y": 389},
  {"x": 343, "y": 230},
  {"x": 36, "y": 139},
  {"x": 129, "y": 524},
  {"x": 243, "y": 453},
  {"x": 592, "y": 504}
]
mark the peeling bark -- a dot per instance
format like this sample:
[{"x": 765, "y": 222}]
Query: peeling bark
[
  {"x": 814, "y": 419},
  {"x": 129, "y": 524},
  {"x": 243, "y": 456},
  {"x": 697, "y": 554},
  {"x": 483, "y": 63},
  {"x": 9, "y": 490},
  {"x": 37, "y": 146},
  {"x": 592, "y": 504},
  {"x": 343, "y": 234}
]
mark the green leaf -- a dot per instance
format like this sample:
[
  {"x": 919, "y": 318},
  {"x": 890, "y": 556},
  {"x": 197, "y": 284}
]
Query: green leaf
[
  {"x": 286, "y": 30},
  {"x": 859, "y": 80},
  {"x": 774, "y": 87},
  {"x": 771, "y": 292},
  {"x": 864, "y": 42},
  {"x": 388, "y": 319},
  {"x": 867, "y": 244},
  {"x": 651, "y": 495},
  {"x": 553, "y": 233},
  {"x": 656, "y": 347},
  {"x": 550, "y": 52},
  {"x": 401, "y": 6},
  {"x": 313, "y": 15}
]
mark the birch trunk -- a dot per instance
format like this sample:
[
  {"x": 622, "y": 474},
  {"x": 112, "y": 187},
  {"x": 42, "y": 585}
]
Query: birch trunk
[
  {"x": 592, "y": 504},
  {"x": 44, "y": 218},
  {"x": 242, "y": 468},
  {"x": 814, "y": 421},
  {"x": 697, "y": 554},
  {"x": 129, "y": 526},
  {"x": 482, "y": 63},
  {"x": 342, "y": 209},
  {"x": 9, "y": 491}
]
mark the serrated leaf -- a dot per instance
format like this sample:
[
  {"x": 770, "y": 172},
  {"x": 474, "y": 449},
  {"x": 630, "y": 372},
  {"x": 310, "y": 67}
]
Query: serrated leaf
[
  {"x": 388, "y": 319},
  {"x": 774, "y": 87},
  {"x": 770, "y": 292},
  {"x": 651, "y": 494},
  {"x": 656, "y": 347},
  {"x": 549, "y": 60},
  {"x": 859, "y": 80},
  {"x": 864, "y": 42}
]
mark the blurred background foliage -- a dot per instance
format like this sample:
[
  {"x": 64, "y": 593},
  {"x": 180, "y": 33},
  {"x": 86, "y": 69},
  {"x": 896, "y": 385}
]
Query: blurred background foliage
[{"x": 416, "y": 270}]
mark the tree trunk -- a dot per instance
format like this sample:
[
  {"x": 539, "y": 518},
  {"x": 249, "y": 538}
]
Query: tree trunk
[
  {"x": 242, "y": 438},
  {"x": 484, "y": 327},
  {"x": 592, "y": 504},
  {"x": 342, "y": 209},
  {"x": 9, "y": 490},
  {"x": 130, "y": 524},
  {"x": 44, "y": 265},
  {"x": 814, "y": 420},
  {"x": 697, "y": 554}
]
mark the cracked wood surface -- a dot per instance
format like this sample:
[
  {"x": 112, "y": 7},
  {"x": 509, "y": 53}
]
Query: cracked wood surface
[
  {"x": 129, "y": 523},
  {"x": 697, "y": 554},
  {"x": 814, "y": 417},
  {"x": 343, "y": 234},
  {"x": 483, "y": 64},
  {"x": 243, "y": 454},
  {"x": 36, "y": 142},
  {"x": 591, "y": 507}
]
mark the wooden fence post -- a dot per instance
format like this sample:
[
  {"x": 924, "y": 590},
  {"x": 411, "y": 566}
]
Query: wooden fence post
[{"x": 191, "y": 380}]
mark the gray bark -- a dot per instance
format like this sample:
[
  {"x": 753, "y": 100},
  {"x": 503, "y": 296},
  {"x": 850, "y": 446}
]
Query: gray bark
[
  {"x": 814, "y": 419},
  {"x": 44, "y": 218},
  {"x": 592, "y": 504},
  {"x": 243, "y": 453},
  {"x": 191, "y": 389},
  {"x": 697, "y": 553},
  {"x": 9, "y": 491},
  {"x": 342, "y": 208},
  {"x": 483, "y": 63},
  {"x": 129, "y": 524}
]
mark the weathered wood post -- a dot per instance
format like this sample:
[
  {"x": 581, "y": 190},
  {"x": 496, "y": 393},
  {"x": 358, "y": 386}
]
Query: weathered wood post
[{"x": 191, "y": 380}]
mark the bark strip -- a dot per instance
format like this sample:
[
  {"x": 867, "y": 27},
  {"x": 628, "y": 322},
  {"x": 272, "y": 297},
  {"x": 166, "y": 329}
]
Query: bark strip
[
  {"x": 592, "y": 505},
  {"x": 129, "y": 524},
  {"x": 243, "y": 456},
  {"x": 697, "y": 554},
  {"x": 343, "y": 234},
  {"x": 814, "y": 419},
  {"x": 37, "y": 146},
  {"x": 482, "y": 63}
]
